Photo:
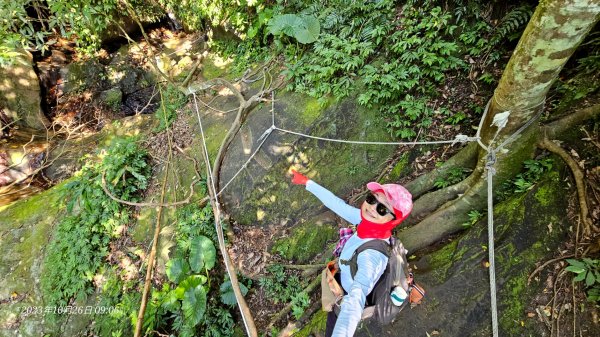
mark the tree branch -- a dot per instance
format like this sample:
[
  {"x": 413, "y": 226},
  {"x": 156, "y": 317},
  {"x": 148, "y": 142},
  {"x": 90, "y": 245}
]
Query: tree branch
[{"x": 150, "y": 267}]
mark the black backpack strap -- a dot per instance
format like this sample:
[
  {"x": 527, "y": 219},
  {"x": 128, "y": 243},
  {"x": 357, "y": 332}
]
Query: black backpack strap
[{"x": 381, "y": 246}]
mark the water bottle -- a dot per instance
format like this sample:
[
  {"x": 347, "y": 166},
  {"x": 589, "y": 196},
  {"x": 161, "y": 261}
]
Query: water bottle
[{"x": 398, "y": 295}]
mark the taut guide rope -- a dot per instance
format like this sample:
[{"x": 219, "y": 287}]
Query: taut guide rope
[{"x": 491, "y": 160}]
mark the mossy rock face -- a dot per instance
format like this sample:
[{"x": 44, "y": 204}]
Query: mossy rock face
[
  {"x": 262, "y": 194},
  {"x": 305, "y": 241},
  {"x": 456, "y": 276},
  {"x": 25, "y": 229}
]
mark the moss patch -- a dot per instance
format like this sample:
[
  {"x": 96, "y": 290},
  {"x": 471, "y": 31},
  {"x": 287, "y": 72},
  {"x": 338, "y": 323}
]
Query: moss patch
[
  {"x": 214, "y": 66},
  {"x": 545, "y": 193},
  {"x": 441, "y": 260},
  {"x": 400, "y": 169},
  {"x": 316, "y": 326},
  {"x": 25, "y": 228},
  {"x": 305, "y": 242}
]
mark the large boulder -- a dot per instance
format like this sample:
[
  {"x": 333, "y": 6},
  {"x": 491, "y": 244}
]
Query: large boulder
[{"x": 20, "y": 96}]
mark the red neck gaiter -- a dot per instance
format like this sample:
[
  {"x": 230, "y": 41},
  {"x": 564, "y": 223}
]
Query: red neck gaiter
[{"x": 367, "y": 229}]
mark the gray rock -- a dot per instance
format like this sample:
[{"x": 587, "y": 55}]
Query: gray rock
[{"x": 20, "y": 94}]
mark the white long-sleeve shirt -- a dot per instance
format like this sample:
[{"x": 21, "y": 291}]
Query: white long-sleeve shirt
[{"x": 371, "y": 264}]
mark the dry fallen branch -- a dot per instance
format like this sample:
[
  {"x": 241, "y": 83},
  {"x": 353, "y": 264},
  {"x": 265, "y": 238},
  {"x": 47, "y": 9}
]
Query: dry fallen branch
[{"x": 540, "y": 268}]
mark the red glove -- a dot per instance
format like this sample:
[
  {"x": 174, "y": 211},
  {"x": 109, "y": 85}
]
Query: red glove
[{"x": 299, "y": 178}]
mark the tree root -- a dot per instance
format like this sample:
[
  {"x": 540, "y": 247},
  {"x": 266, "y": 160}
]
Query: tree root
[
  {"x": 430, "y": 202},
  {"x": 447, "y": 220},
  {"x": 554, "y": 129},
  {"x": 579, "y": 181},
  {"x": 540, "y": 268},
  {"x": 244, "y": 109},
  {"x": 465, "y": 158},
  {"x": 187, "y": 200}
]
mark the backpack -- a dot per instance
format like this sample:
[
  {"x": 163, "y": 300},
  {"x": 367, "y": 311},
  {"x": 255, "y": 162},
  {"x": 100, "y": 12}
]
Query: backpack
[{"x": 379, "y": 303}]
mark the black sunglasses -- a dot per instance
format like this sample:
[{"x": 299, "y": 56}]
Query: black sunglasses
[{"x": 381, "y": 208}]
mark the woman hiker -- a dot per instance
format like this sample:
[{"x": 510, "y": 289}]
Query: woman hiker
[{"x": 385, "y": 207}]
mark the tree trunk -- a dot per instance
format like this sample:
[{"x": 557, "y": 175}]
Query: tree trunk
[{"x": 552, "y": 35}]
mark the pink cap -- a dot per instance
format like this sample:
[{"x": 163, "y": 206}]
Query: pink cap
[{"x": 398, "y": 196}]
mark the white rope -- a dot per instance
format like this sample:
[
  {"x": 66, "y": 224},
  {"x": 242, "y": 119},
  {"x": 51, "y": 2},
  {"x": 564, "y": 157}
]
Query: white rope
[
  {"x": 264, "y": 137},
  {"x": 500, "y": 122},
  {"x": 459, "y": 138},
  {"x": 218, "y": 228},
  {"x": 492, "y": 268}
]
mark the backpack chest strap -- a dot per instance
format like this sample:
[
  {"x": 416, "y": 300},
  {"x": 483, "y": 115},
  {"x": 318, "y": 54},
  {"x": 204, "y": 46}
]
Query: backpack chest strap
[{"x": 381, "y": 246}]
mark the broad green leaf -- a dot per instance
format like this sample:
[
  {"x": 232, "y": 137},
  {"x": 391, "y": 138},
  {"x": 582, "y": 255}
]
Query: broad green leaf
[
  {"x": 575, "y": 269},
  {"x": 227, "y": 294},
  {"x": 590, "y": 279},
  {"x": 190, "y": 282},
  {"x": 202, "y": 253},
  {"x": 284, "y": 24},
  {"x": 309, "y": 32},
  {"x": 176, "y": 269},
  {"x": 194, "y": 304},
  {"x": 577, "y": 263},
  {"x": 580, "y": 277},
  {"x": 170, "y": 301}
]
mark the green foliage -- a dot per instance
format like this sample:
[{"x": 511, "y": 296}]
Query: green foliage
[
  {"x": 80, "y": 241},
  {"x": 299, "y": 303},
  {"x": 227, "y": 294},
  {"x": 587, "y": 270},
  {"x": 523, "y": 182},
  {"x": 305, "y": 29},
  {"x": 474, "y": 216},
  {"x": 396, "y": 60},
  {"x": 125, "y": 298},
  {"x": 512, "y": 24},
  {"x": 202, "y": 14},
  {"x": 283, "y": 288},
  {"x": 35, "y": 24},
  {"x": 217, "y": 322},
  {"x": 453, "y": 176},
  {"x": 172, "y": 99},
  {"x": 187, "y": 304}
]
